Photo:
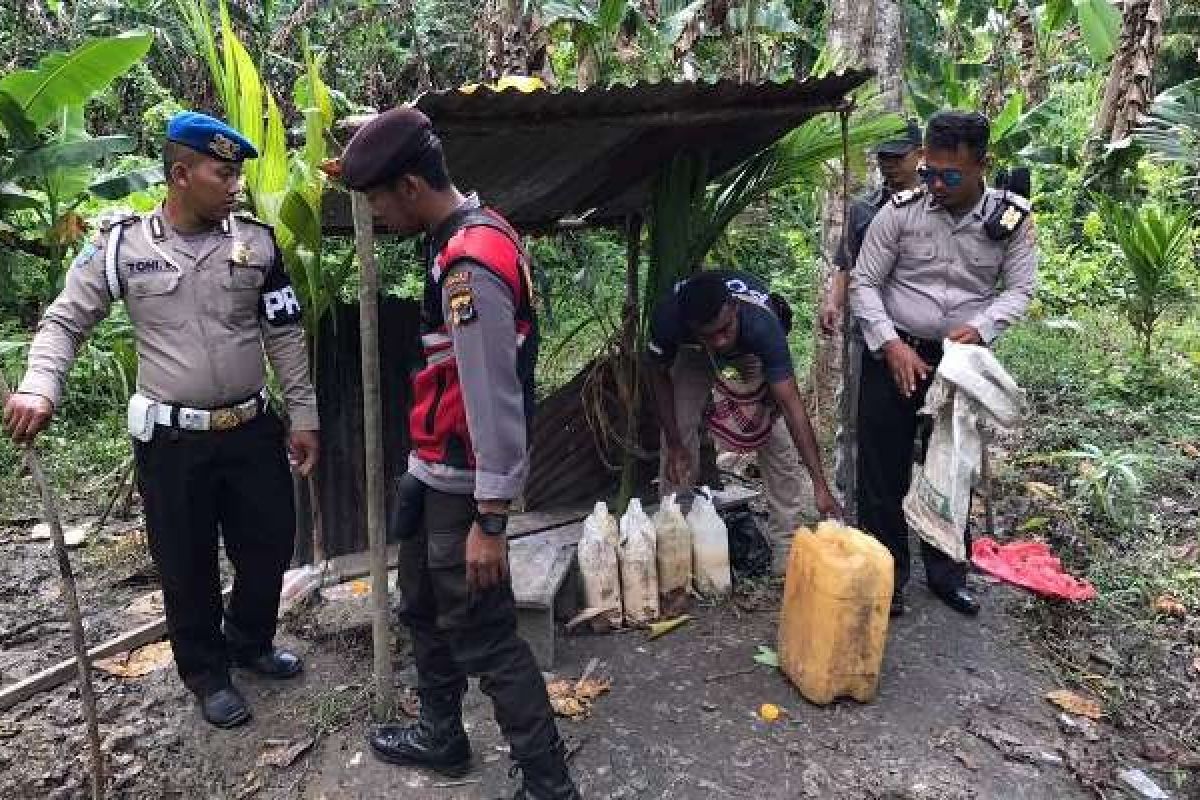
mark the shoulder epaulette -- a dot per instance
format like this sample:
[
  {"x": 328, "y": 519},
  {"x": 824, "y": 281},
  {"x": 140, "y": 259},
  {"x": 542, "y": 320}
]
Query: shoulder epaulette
[
  {"x": 1012, "y": 198},
  {"x": 246, "y": 216},
  {"x": 113, "y": 219},
  {"x": 901, "y": 199}
]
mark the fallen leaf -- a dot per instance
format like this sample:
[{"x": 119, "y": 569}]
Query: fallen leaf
[
  {"x": 658, "y": 629},
  {"x": 1043, "y": 490},
  {"x": 139, "y": 663},
  {"x": 1189, "y": 449},
  {"x": 587, "y": 615},
  {"x": 282, "y": 753},
  {"x": 148, "y": 605},
  {"x": 1075, "y": 703},
  {"x": 563, "y": 700},
  {"x": 767, "y": 657},
  {"x": 1169, "y": 607},
  {"x": 574, "y": 699},
  {"x": 589, "y": 689}
]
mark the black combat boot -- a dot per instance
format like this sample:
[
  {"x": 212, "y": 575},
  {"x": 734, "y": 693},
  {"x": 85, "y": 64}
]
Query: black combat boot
[
  {"x": 545, "y": 777},
  {"x": 435, "y": 741}
]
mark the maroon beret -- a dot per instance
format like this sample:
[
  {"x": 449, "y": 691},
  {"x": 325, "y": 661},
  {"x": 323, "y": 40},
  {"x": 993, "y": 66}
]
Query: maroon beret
[{"x": 386, "y": 147}]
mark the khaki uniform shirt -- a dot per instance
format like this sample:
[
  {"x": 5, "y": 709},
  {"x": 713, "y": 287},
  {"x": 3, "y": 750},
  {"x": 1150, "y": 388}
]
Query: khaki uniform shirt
[
  {"x": 204, "y": 309},
  {"x": 925, "y": 273}
]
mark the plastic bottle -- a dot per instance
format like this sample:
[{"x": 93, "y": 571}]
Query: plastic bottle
[
  {"x": 833, "y": 625},
  {"x": 599, "y": 568},
  {"x": 710, "y": 548},
  {"x": 639, "y": 572},
  {"x": 673, "y": 546}
]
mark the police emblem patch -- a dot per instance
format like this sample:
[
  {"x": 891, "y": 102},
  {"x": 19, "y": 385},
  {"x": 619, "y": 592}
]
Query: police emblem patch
[
  {"x": 224, "y": 147},
  {"x": 1010, "y": 219},
  {"x": 462, "y": 308},
  {"x": 240, "y": 254}
]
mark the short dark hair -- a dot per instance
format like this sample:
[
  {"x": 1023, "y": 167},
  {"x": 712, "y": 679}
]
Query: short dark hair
[
  {"x": 176, "y": 153},
  {"x": 702, "y": 297},
  {"x": 431, "y": 167},
  {"x": 949, "y": 130}
]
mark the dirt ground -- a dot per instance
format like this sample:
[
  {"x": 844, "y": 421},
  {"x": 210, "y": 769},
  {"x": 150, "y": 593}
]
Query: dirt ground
[{"x": 960, "y": 714}]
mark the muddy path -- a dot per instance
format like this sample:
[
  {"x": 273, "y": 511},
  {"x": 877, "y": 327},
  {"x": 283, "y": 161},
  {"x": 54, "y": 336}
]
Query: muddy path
[{"x": 961, "y": 711}]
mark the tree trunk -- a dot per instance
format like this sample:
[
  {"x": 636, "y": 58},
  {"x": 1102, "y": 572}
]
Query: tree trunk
[
  {"x": 1130, "y": 86},
  {"x": 1033, "y": 77},
  {"x": 860, "y": 33},
  {"x": 886, "y": 56},
  {"x": 516, "y": 41},
  {"x": 874, "y": 36}
]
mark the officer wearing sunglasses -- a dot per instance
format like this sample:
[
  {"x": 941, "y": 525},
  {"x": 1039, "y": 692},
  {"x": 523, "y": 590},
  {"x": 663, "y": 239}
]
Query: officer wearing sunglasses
[{"x": 953, "y": 260}]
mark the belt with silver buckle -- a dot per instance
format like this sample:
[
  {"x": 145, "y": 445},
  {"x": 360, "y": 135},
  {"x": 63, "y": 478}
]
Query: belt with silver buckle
[{"x": 211, "y": 419}]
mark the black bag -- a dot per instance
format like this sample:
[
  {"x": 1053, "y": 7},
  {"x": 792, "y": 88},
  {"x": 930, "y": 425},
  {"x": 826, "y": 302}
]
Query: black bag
[{"x": 749, "y": 547}]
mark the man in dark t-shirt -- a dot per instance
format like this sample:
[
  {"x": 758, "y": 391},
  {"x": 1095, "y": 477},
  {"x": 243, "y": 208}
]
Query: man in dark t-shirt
[{"x": 722, "y": 329}]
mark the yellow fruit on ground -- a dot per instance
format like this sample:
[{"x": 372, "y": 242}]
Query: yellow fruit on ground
[{"x": 769, "y": 712}]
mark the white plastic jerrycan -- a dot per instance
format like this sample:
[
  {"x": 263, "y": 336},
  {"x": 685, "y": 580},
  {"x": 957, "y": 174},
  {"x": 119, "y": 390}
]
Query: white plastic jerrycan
[
  {"x": 639, "y": 572},
  {"x": 710, "y": 548},
  {"x": 599, "y": 568},
  {"x": 673, "y": 545}
]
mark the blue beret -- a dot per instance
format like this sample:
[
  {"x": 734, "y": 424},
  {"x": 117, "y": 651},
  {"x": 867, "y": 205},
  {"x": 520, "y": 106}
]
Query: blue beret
[{"x": 209, "y": 136}]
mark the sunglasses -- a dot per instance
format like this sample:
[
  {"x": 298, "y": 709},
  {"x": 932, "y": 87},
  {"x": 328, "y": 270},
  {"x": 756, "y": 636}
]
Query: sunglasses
[{"x": 950, "y": 176}]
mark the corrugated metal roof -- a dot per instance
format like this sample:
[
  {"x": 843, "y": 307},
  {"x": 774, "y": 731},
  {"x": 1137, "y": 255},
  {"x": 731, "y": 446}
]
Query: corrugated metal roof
[{"x": 543, "y": 156}]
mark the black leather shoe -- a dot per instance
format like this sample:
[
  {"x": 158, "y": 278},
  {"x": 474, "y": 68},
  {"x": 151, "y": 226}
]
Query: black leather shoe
[
  {"x": 278, "y": 664},
  {"x": 545, "y": 777},
  {"x": 898, "y": 608},
  {"x": 960, "y": 600},
  {"x": 225, "y": 708},
  {"x": 445, "y": 750}
]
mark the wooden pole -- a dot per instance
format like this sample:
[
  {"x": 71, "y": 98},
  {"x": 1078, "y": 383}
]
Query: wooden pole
[
  {"x": 71, "y": 597},
  {"x": 629, "y": 346},
  {"x": 368, "y": 317},
  {"x": 848, "y": 405}
]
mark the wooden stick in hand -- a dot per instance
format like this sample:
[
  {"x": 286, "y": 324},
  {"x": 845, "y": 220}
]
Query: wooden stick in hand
[{"x": 71, "y": 596}]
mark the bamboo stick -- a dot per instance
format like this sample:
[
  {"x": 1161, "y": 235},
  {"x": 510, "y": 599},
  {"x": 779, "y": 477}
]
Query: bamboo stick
[
  {"x": 368, "y": 315},
  {"x": 71, "y": 597}
]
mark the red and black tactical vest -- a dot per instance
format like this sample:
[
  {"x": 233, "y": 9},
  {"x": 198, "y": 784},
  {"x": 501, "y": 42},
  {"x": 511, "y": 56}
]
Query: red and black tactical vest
[{"x": 438, "y": 420}]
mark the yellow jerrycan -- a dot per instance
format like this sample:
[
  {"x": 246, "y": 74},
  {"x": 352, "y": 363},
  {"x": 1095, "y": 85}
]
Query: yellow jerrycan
[{"x": 834, "y": 621}]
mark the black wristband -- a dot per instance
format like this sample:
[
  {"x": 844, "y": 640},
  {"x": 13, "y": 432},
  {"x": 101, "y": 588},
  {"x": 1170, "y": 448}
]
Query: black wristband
[{"x": 492, "y": 524}]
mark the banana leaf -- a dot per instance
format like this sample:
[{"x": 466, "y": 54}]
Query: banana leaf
[
  {"x": 67, "y": 79},
  {"x": 126, "y": 183}
]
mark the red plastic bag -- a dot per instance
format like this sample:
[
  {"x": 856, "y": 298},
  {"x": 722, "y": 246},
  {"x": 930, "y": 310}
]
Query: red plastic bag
[{"x": 1030, "y": 565}]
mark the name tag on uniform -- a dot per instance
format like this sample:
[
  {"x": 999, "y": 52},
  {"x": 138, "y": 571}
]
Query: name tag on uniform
[{"x": 150, "y": 266}]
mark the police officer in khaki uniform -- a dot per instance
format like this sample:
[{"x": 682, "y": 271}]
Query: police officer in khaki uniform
[
  {"x": 952, "y": 260},
  {"x": 207, "y": 294}
]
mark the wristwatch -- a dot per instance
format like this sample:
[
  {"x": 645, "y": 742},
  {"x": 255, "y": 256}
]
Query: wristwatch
[{"x": 491, "y": 523}]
